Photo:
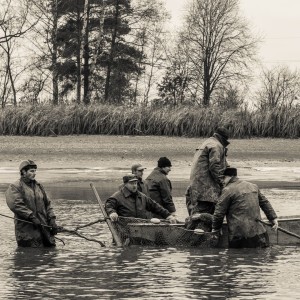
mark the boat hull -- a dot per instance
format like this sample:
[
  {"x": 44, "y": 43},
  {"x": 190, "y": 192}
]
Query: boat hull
[
  {"x": 164, "y": 234},
  {"x": 275, "y": 237}
]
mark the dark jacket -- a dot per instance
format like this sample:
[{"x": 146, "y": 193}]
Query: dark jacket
[
  {"x": 25, "y": 199},
  {"x": 188, "y": 200},
  {"x": 142, "y": 187},
  {"x": 127, "y": 204},
  {"x": 241, "y": 202},
  {"x": 160, "y": 189},
  {"x": 209, "y": 163}
]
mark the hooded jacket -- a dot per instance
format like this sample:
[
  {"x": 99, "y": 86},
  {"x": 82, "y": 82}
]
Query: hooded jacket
[
  {"x": 209, "y": 163},
  {"x": 24, "y": 199}
]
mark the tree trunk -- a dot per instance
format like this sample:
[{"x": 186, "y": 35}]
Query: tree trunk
[
  {"x": 4, "y": 90},
  {"x": 54, "y": 54},
  {"x": 149, "y": 83},
  {"x": 143, "y": 42},
  {"x": 111, "y": 55},
  {"x": 85, "y": 52},
  {"x": 9, "y": 71},
  {"x": 100, "y": 44},
  {"x": 206, "y": 86},
  {"x": 78, "y": 56},
  {"x": 12, "y": 85}
]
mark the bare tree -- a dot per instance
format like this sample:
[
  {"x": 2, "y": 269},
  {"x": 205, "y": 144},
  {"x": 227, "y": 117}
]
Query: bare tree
[
  {"x": 280, "y": 87},
  {"x": 230, "y": 96},
  {"x": 218, "y": 43},
  {"x": 177, "y": 87},
  {"x": 11, "y": 13},
  {"x": 42, "y": 47},
  {"x": 149, "y": 35},
  {"x": 33, "y": 87},
  {"x": 13, "y": 25}
]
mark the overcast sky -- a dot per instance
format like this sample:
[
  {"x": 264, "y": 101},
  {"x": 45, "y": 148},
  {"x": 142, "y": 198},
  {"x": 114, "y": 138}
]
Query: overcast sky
[{"x": 276, "y": 21}]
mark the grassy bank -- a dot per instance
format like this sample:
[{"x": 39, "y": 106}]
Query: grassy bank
[{"x": 45, "y": 120}]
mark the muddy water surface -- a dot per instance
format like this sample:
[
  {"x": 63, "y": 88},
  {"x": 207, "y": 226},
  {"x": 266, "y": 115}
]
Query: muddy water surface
[{"x": 83, "y": 270}]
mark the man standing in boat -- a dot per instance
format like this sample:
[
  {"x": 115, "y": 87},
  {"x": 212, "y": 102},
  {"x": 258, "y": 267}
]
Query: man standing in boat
[
  {"x": 29, "y": 202},
  {"x": 160, "y": 187},
  {"x": 240, "y": 202},
  {"x": 207, "y": 173},
  {"x": 129, "y": 202},
  {"x": 138, "y": 171}
]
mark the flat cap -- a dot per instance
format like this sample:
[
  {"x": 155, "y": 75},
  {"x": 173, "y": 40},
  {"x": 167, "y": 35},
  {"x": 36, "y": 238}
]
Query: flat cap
[
  {"x": 26, "y": 163},
  {"x": 137, "y": 167},
  {"x": 129, "y": 178}
]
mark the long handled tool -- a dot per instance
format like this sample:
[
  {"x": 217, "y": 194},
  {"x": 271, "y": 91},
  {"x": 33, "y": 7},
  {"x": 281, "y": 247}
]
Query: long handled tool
[
  {"x": 108, "y": 221},
  {"x": 280, "y": 229},
  {"x": 43, "y": 225},
  {"x": 46, "y": 237}
]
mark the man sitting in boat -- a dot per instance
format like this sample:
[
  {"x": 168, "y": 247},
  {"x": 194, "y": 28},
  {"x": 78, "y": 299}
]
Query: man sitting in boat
[
  {"x": 129, "y": 202},
  {"x": 241, "y": 201}
]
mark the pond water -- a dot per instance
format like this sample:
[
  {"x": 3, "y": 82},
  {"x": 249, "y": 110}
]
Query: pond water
[{"x": 83, "y": 270}]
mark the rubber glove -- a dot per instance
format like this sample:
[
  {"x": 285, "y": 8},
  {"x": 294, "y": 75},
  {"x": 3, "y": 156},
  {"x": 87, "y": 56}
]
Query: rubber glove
[{"x": 54, "y": 227}]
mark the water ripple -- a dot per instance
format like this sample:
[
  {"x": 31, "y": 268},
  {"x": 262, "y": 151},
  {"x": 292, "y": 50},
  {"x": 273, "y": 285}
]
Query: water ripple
[{"x": 84, "y": 270}]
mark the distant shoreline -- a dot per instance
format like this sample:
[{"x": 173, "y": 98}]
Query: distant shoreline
[
  {"x": 74, "y": 149},
  {"x": 78, "y": 159}
]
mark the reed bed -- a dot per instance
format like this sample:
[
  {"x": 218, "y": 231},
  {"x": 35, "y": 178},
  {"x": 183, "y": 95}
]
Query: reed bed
[{"x": 45, "y": 120}]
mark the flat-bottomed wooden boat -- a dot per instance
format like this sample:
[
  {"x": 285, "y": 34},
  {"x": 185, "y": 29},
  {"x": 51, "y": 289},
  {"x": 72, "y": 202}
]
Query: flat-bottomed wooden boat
[{"x": 142, "y": 232}]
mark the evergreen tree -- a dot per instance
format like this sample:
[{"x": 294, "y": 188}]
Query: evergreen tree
[{"x": 116, "y": 59}]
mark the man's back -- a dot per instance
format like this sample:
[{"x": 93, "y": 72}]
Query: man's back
[
  {"x": 241, "y": 202},
  {"x": 207, "y": 170},
  {"x": 203, "y": 156}
]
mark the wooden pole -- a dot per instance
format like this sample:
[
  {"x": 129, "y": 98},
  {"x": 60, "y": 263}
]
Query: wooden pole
[
  {"x": 108, "y": 221},
  {"x": 280, "y": 229}
]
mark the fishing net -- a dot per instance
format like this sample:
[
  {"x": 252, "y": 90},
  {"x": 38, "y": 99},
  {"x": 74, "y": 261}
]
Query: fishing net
[{"x": 133, "y": 231}]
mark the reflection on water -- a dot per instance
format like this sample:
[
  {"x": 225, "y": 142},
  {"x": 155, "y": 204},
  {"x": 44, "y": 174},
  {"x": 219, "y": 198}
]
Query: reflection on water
[
  {"x": 84, "y": 270},
  {"x": 146, "y": 273}
]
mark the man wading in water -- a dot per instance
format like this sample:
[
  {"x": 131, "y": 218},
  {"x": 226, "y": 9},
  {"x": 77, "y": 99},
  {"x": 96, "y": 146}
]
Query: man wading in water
[
  {"x": 29, "y": 202},
  {"x": 241, "y": 201}
]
